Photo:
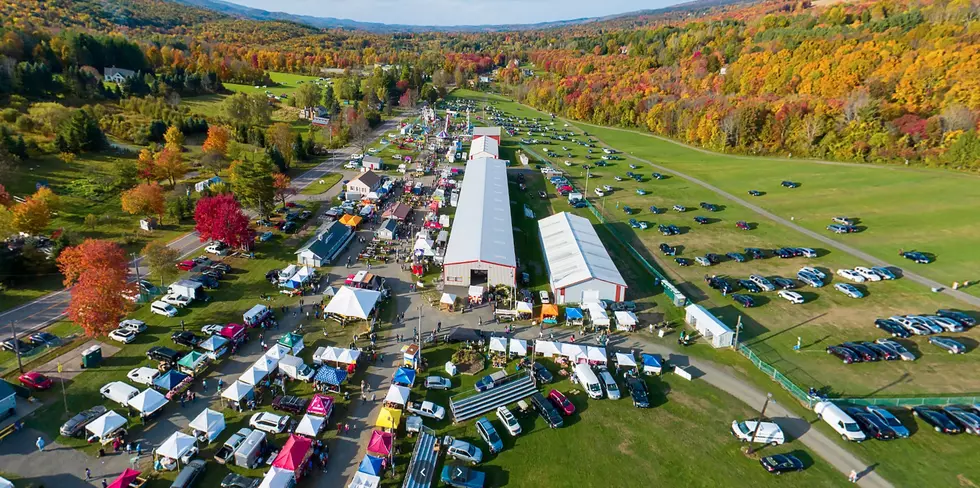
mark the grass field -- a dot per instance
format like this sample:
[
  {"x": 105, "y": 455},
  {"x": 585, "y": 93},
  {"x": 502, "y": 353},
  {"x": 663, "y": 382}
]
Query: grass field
[
  {"x": 611, "y": 443},
  {"x": 316, "y": 188},
  {"x": 288, "y": 83}
]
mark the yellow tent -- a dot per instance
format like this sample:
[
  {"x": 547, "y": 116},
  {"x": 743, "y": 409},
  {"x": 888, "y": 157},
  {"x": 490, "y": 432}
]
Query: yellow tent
[
  {"x": 350, "y": 220},
  {"x": 389, "y": 418},
  {"x": 549, "y": 310}
]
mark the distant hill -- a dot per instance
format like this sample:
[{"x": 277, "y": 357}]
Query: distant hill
[{"x": 236, "y": 10}]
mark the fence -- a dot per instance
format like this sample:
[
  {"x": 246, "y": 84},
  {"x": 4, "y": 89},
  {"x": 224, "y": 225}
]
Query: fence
[
  {"x": 776, "y": 376},
  {"x": 911, "y": 402}
]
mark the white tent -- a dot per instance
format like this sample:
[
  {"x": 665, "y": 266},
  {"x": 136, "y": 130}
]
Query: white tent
[
  {"x": 597, "y": 314},
  {"x": 625, "y": 319},
  {"x": 448, "y": 299},
  {"x": 148, "y": 402},
  {"x": 4, "y": 483},
  {"x": 498, "y": 344},
  {"x": 348, "y": 356},
  {"x": 398, "y": 394},
  {"x": 252, "y": 376},
  {"x": 236, "y": 391},
  {"x": 286, "y": 273},
  {"x": 518, "y": 346},
  {"x": 310, "y": 425},
  {"x": 105, "y": 424},
  {"x": 596, "y": 354},
  {"x": 209, "y": 422},
  {"x": 710, "y": 326},
  {"x": 176, "y": 445},
  {"x": 475, "y": 291},
  {"x": 325, "y": 354},
  {"x": 547, "y": 348},
  {"x": 277, "y": 351},
  {"x": 300, "y": 278},
  {"x": 444, "y": 221},
  {"x": 425, "y": 246},
  {"x": 266, "y": 364},
  {"x": 625, "y": 360},
  {"x": 525, "y": 307},
  {"x": 277, "y": 478},
  {"x": 364, "y": 480},
  {"x": 574, "y": 352},
  {"x": 353, "y": 302}
]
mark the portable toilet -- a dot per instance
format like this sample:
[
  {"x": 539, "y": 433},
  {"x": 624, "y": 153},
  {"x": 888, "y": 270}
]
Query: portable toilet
[{"x": 92, "y": 357}]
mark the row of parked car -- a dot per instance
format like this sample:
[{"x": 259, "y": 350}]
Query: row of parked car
[
  {"x": 880, "y": 349},
  {"x": 861, "y": 423},
  {"x": 910, "y": 325}
]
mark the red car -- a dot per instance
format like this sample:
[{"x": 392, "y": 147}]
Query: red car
[
  {"x": 38, "y": 381},
  {"x": 185, "y": 265},
  {"x": 561, "y": 402},
  {"x": 741, "y": 224}
]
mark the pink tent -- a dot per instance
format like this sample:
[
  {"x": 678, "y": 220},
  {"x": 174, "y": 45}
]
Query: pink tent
[
  {"x": 232, "y": 331},
  {"x": 293, "y": 454},
  {"x": 380, "y": 443},
  {"x": 321, "y": 405},
  {"x": 125, "y": 479}
]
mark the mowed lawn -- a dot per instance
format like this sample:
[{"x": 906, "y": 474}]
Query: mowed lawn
[
  {"x": 683, "y": 440},
  {"x": 288, "y": 83}
]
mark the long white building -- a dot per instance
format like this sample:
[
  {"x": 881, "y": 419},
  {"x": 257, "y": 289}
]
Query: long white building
[
  {"x": 481, "y": 245},
  {"x": 579, "y": 267}
]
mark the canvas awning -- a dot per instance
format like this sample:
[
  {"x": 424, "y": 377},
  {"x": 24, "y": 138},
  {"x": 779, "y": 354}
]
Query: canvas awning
[
  {"x": 625, "y": 360},
  {"x": 525, "y": 307},
  {"x": 148, "y": 401},
  {"x": 267, "y": 364},
  {"x": 574, "y": 351},
  {"x": 330, "y": 376},
  {"x": 176, "y": 445},
  {"x": 192, "y": 360},
  {"x": 293, "y": 341},
  {"x": 236, "y": 391},
  {"x": 232, "y": 331},
  {"x": 448, "y": 299},
  {"x": 475, "y": 291},
  {"x": 518, "y": 346},
  {"x": 596, "y": 354},
  {"x": 423, "y": 247},
  {"x": 277, "y": 478},
  {"x": 169, "y": 380},
  {"x": 498, "y": 344},
  {"x": 348, "y": 356},
  {"x": 353, "y": 302},
  {"x": 127, "y": 477},
  {"x": 213, "y": 343},
  {"x": 370, "y": 465},
  {"x": 364, "y": 480},
  {"x": 597, "y": 314},
  {"x": 381, "y": 443},
  {"x": 320, "y": 405},
  {"x": 404, "y": 377},
  {"x": 397, "y": 394},
  {"x": 350, "y": 220},
  {"x": 388, "y": 418},
  {"x": 209, "y": 422},
  {"x": 252, "y": 376},
  {"x": 106, "y": 424},
  {"x": 310, "y": 425},
  {"x": 293, "y": 453},
  {"x": 572, "y": 313},
  {"x": 549, "y": 310},
  {"x": 547, "y": 348},
  {"x": 652, "y": 363},
  {"x": 625, "y": 318},
  {"x": 277, "y": 351}
]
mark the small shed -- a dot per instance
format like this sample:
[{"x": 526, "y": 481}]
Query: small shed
[
  {"x": 709, "y": 326},
  {"x": 447, "y": 302},
  {"x": 386, "y": 231}
]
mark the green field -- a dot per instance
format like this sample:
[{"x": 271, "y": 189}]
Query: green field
[
  {"x": 316, "y": 188},
  {"x": 287, "y": 84}
]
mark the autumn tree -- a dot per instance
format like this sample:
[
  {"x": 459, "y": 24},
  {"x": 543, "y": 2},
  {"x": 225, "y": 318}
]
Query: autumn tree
[
  {"x": 252, "y": 183},
  {"x": 170, "y": 165},
  {"x": 220, "y": 218},
  {"x": 97, "y": 272},
  {"x": 161, "y": 259},
  {"x": 145, "y": 199},
  {"x": 91, "y": 221},
  {"x": 280, "y": 135},
  {"x": 283, "y": 187},
  {"x": 6, "y": 222},
  {"x": 217, "y": 141},
  {"x": 34, "y": 215},
  {"x": 5, "y": 199},
  {"x": 307, "y": 95},
  {"x": 146, "y": 165},
  {"x": 174, "y": 139}
]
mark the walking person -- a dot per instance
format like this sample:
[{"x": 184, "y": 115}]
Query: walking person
[
  {"x": 853, "y": 476},
  {"x": 40, "y": 444},
  {"x": 88, "y": 474},
  {"x": 204, "y": 384},
  {"x": 105, "y": 484}
]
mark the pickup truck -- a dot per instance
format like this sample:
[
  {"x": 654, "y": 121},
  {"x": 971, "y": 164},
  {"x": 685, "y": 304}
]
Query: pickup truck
[
  {"x": 228, "y": 449},
  {"x": 489, "y": 381},
  {"x": 289, "y": 403},
  {"x": 427, "y": 409},
  {"x": 176, "y": 300}
]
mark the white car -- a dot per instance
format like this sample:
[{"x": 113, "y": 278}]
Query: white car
[
  {"x": 949, "y": 325},
  {"x": 807, "y": 252},
  {"x": 143, "y": 375},
  {"x": 356, "y": 157},
  {"x": 163, "y": 308},
  {"x": 848, "y": 290},
  {"x": 509, "y": 420},
  {"x": 438, "y": 383},
  {"x": 763, "y": 283},
  {"x": 764, "y": 432},
  {"x": 462, "y": 450},
  {"x": 176, "y": 300},
  {"x": 269, "y": 422},
  {"x": 816, "y": 272},
  {"x": 219, "y": 248},
  {"x": 545, "y": 297},
  {"x": 868, "y": 273},
  {"x": 568, "y": 163},
  {"x": 123, "y": 335},
  {"x": 599, "y": 192},
  {"x": 134, "y": 325},
  {"x": 351, "y": 165},
  {"x": 212, "y": 329},
  {"x": 607, "y": 188},
  {"x": 791, "y": 296},
  {"x": 851, "y": 275}
]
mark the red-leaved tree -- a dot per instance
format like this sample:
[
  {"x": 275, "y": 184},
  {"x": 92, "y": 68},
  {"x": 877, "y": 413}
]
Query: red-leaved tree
[
  {"x": 221, "y": 218},
  {"x": 283, "y": 186},
  {"x": 97, "y": 271}
]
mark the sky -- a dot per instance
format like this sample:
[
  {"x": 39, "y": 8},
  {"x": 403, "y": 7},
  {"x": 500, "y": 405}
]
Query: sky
[{"x": 455, "y": 12}]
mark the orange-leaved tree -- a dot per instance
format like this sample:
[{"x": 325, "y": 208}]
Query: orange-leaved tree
[
  {"x": 217, "y": 141},
  {"x": 170, "y": 165},
  {"x": 145, "y": 199},
  {"x": 283, "y": 187},
  {"x": 97, "y": 272}
]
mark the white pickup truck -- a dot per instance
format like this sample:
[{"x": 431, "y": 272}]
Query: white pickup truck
[
  {"x": 427, "y": 409},
  {"x": 176, "y": 300}
]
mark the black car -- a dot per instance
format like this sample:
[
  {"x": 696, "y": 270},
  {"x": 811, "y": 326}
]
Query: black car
[
  {"x": 938, "y": 420},
  {"x": 882, "y": 352},
  {"x": 702, "y": 220},
  {"x": 865, "y": 353},
  {"x": 43, "y": 339},
  {"x": 781, "y": 463},
  {"x": 235, "y": 480},
  {"x": 844, "y": 354},
  {"x": 790, "y": 184},
  {"x": 10, "y": 345},
  {"x": 892, "y": 327},
  {"x": 541, "y": 373},
  {"x": 289, "y": 403},
  {"x": 627, "y": 210},
  {"x": 871, "y": 424},
  {"x": 785, "y": 252},
  {"x": 656, "y": 210},
  {"x": 667, "y": 249},
  {"x": 720, "y": 284},
  {"x": 960, "y": 317},
  {"x": 674, "y": 230},
  {"x": 755, "y": 252},
  {"x": 547, "y": 411},
  {"x": 713, "y": 258},
  {"x": 682, "y": 261},
  {"x": 638, "y": 391},
  {"x": 222, "y": 266},
  {"x": 185, "y": 338},
  {"x": 745, "y": 301},
  {"x": 755, "y": 193},
  {"x": 750, "y": 285},
  {"x": 736, "y": 256},
  {"x": 163, "y": 354},
  {"x": 209, "y": 282},
  {"x": 76, "y": 425},
  {"x": 664, "y": 230},
  {"x": 917, "y": 257},
  {"x": 658, "y": 176},
  {"x": 709, "y": 206},
  {"x": 784, "y": 283}
]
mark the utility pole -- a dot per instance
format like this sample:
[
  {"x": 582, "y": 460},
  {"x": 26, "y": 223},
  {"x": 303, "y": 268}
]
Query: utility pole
[
  {"x": 13, "y": 333},
  {"x": 139, "y": 285},
  {"x": 758, "y": 423},
  {"x": 418, "y": 364},
  {"x": 738, "y": 328},
  {"x": 64, "y": 394}
]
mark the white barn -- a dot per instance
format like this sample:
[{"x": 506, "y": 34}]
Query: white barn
[
  {"x": 481, "y": 245},
  {"x": 484, "y": 147},
  {"x": 709, "y": 326},
  {"x": 579, "y": 267}
]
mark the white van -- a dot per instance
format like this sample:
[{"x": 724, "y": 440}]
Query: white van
[
  {"x": 163, "y": 308},
  {"x": 848, "y": 429},
  {"x": 143, "y": 375},
  {"x": 588, "y": 380},
  {"x": 769, "y": 432},
  {"x": 119, "y": 392}
]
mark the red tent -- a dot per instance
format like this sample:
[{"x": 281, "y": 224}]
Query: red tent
[
  {"x": 321, "y": 405},
  {"x": 293, "y": 454},
  {"x": 123, "y": 481},
  {"x": 233, "y": 331},
  {"x": 380, "y": 443}
]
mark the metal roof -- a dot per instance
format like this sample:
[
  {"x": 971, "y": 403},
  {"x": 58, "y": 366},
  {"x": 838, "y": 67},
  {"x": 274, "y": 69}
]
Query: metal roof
[
  {"x": 486, "y": 131},
  {"x": 483, "y": 146},
  {"x": 482, "y": 229},
  {"x": 574, "y": 252}
]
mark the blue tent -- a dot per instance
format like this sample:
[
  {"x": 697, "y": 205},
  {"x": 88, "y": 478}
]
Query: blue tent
[
  {"x": 573, "y": 314},
  {"x": 169, "y": 380},
  {"x": 652, "y": 363},
  {"x": 330, "y": 376},
  {"x": 370, "y": 465},
  {"x": 404, "y": 377}
]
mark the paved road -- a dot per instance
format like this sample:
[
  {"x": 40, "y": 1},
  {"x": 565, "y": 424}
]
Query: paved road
[{"x": 48, "y": 309}]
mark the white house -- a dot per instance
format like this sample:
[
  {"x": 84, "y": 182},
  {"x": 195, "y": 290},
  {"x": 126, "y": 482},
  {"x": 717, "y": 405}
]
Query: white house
[
  {"x": 371, "y": 163},
  {"x": 365, "y": 183},
  {"x": 117, "y": 75}
]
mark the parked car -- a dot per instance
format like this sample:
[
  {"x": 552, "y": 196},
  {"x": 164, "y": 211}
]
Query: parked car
[
  {"x": 781, "y": 463},
  {"x": 848, "y": 290},
  {"x": 903, "y": 353},
  {"x": 162, "y": 308},
  {"x": 749, "y": 286},
  {"x": 163, "y": 354},
  {"x": 186, "y": 265},
  {"x": 755, "y": 193},
  {"x": 235, "y": 480},
  {"x": 889, "y": 419},
  {"x": 702, "y": 220},
  {"x": 844, "y": 354},
  {"x": 143, "y": 375},
  {"x": 709, "y": 206},
  {"x": 948, "y": 325},
  {"x": 638, "y": 392},
  {"x": 865, "y": 353},
  {"x": 509, "y": 421},
  {"x": 35, "y": 380},
  {"x": 885, "y": 273},
  {"x": 850, "y": 274},
  {"x": 562, "y": 403},
  {"x": 746, "y": 301},
  {"x": 960, "y": 317},
  {"x": 462, "y": 477},
  {"x": 462, "y": 450},
  {"x": 939, "y": 421},
  {"x": 546, "y": 410},
  {"x": 763, "y": 432},
  {"x": 541, "y": 373},
  {"x": 682, "y": 261},
  {"x": 785, "y": 283},
  {"x": 867, "y": 273},
  {"x": 736, "y": 256},
  {"x": 791, "y": 296},
  {"x": 893, "y": 328},
  {"x": 809, "y": 279},
  {"x": 951, "y": 346},
  {"x": 289, "y": 403},
  {"x": 189, "y": 474},
  {"x": 212, "y": 329},
  {"x": 755, "y": 252},
  {"x": 703, "y": 261},
  {"x": 489, "y": 434},
  {"x": 269, "y": 422},
  {"x": 916, "y": 257},
  {"x": 680, "y": 208},
  {"x": 123, "y": 335},
  {"x": 968, "y": 420},
  {"x": 763, "y": 283},
  {"x": 76, "y": 425},
  {"x": 43, "y": 339},
  {"x": 870, "y": 424},
  {"x": 219, "y": 248},
  {"x": 186, "y": 338},
  {"x": 719, "y": 283},
  {"x": 789, "y": 184},
  {"x": 438, "y": 383},
  {"x": 743, "y": 225},
  {"x": 667, "y": 250}
]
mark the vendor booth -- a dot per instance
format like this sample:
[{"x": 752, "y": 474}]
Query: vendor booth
[
  {"x": 423, "y": 247},
  {"x": 179, "y": 447},
  {"x": 292, "y": 341},
  {"x": 574, "y": 352},
  {"x": 253, "y": 376},
  {"x": 173, "y": 383},
  {"x": 234, "y": 333},
  {"x": 397, "y": 396},
  {"x": 299, "y": 279},
  {"x": 596, "y": 355},
  {"x": 381, "y": 443},
  {"x": 193, "y": 363},
  {"x": 127, "y": 479},
  {"x": 498, "y": 344},
  {"x": 276, "y": 352},
  {"x": 107, "y": 427},
  {"x": 207, "y": 425},
  {"x": 371, "y": 465},
  {"x": 652, "y": 363},
  {"x": 549, "y": 313},
  {"x": 353, "y": 303},
  {"x": 278, "y": 478},
  {"x": 389, "y": 419},
  {"x": 238, "y": 392},
  {"x": 624, "y": 360},
  {"x": 448, "y": 302},
  {"x": 351, "y": 220},
  {"x": 364, "y": 480},
  {"x": 626, "y": 320},
  {"x": 573, "y": 316},
  {"x": 518, "y": 347},
  {"x": 547, "y": 348},
  {"x": 321, "y": 405},
  {"x": 525, "y": 308},
  {"x": 329, "y": 379},
  {"x": 294, "y": 454},
  {"x": 147, "y": 402},
  {"x": 310, "y": 425},
  {"x": 411, "y": 357},
  {"x": 404, "y": 377},
  {"x": 597, "y": 315},
  {"x": 475, "y": 294},
  {"x": 256, "y": 315},
  {"x": 214, "y": 347}
]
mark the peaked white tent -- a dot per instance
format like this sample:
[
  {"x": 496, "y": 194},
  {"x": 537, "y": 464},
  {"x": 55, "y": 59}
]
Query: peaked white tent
[
  {"x": 364, "y": 480},
  {"x": 625, "y": 319},
  {"x": 597, "y": 314},
  {"x": 518, "y": 346},
  {"x": 105, "y": 424},
  {"x": 209, "y": 422},
  {"x": 574, "y": 352},
  {"x": 176, "y": 445},
  {"x": 525, "y": 307},
  {"x": 277, "y": 351},
  {"x": 277, "y": 478},
  {"x": 625, "y": 360},
  {"x": 424, "y": 246},
  {"x": 348, "y": 356},
  {"x": 596, "y": 354},
  {"x": 266, "y": 364},
  {"x": 148, "y": 402},
  {"x": 4, "y": 483},
  {"x": 398, "y": 394},
  {"x": 310, "y": 425},
  {"x": 353, "y": 302},
  {"x": 498, "y": 344},
  {"x": 236, "y": 391},
  {"x": 547, "y": 348},
  {"x": 252, "y": 376}
]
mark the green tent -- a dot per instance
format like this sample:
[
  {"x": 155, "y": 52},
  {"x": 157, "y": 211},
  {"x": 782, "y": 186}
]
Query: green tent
[
  {"x": 192, "y": 363},
  {"x": 293, "y": 341}
]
